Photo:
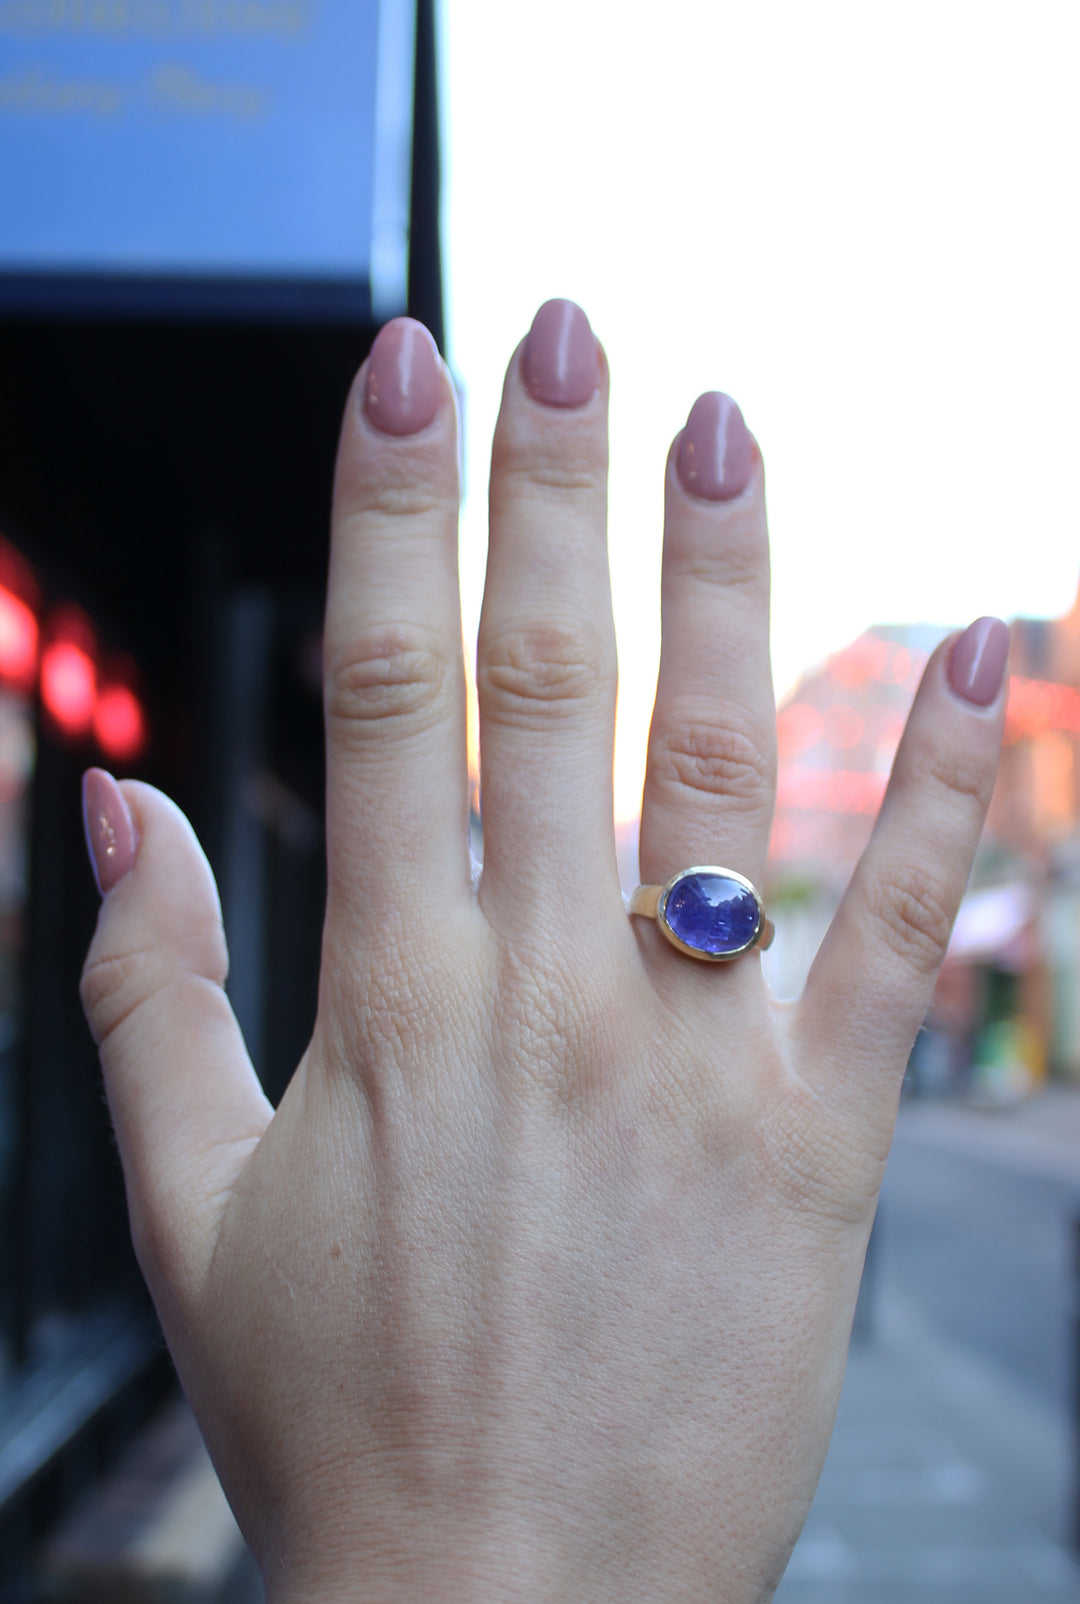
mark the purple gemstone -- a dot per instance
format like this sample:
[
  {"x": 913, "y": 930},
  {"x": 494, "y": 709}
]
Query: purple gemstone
[{"x": 712, "y": 913}]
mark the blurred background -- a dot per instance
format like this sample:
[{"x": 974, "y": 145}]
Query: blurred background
[{"x": 860, "y": 221}]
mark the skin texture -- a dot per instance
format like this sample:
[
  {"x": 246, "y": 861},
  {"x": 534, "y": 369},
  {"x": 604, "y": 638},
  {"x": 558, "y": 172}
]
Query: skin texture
[{"x": 538, "y": 1284}]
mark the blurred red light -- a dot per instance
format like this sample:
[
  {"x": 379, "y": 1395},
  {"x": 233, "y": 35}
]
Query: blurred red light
[
  {"x": 68, "y": 686},
  {"x": 886, "y": 725},
  {"x": 899, "y": 668},
  {"x": 119, "y": 724},
  {"x": 798, "y": 727},
  {"x": 831, "y": 790},
  {"x": 1036, "y": 705},
  {"x": 18, "y": 639},
  {"x": 875, "y": 655},
  {"x": 780, "y": 843},
  {"x": 864, "y": 659},
  {"x": 843, "y": 726}
]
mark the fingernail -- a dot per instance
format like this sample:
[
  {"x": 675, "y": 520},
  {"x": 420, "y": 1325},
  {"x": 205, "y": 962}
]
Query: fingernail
[
  {"x": 404, "y": 379},
  {"x": 716, "y": 450},
  {"x": 561, "y": 362},
  {"x": 110, "y": 830},
  {"x": 977, "y": 661}
]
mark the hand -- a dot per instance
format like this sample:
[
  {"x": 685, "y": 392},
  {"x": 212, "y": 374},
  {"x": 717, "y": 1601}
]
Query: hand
[{"x": 538, "y": 1284}]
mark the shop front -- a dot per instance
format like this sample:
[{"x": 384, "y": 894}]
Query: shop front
[{"x": 209, "y": 209}]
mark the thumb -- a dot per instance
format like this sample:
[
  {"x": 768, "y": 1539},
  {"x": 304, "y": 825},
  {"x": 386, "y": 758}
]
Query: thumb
[{"x": 185, "y": 1101}]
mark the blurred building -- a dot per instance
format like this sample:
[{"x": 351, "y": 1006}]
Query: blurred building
[
  {"x": 1033, "y": 845},
  {"x": 209, "y": 208},
  {"x": 837, "y": 736},
  {"x": 1007, "y": 1007}
]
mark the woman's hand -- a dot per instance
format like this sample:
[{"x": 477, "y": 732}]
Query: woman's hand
[{"x": 538, "y": 1284}]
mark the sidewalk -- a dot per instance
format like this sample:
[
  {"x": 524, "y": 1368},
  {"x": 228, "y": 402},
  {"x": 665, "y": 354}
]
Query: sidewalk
[
  {"x": 944, "y": 1482},
  {"x": 1040, "y": 1136},
  {"x": 941, "y": 1484}
]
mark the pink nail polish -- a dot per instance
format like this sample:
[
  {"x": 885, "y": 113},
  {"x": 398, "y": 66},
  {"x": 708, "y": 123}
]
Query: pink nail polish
[
  {"x": 977, "y": 661},
  {"x": 110, "y": 831},
  {"x": 715, "y": 455},
  {"x": 403, "y": 387},
  {"x": 561, "y": 363}
]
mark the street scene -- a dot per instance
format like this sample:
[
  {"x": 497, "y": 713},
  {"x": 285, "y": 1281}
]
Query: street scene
[
  {"x": 954, "y": 1470},
  {"x": 228, "y": 226}
]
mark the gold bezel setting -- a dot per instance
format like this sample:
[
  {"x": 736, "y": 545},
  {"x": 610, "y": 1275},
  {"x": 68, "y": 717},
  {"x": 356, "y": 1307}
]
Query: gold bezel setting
[{"x": 652, "y": 901}]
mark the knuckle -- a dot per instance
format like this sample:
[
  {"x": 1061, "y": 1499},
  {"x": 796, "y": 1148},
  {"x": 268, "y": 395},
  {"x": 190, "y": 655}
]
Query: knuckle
[
  {"x": 545, "y": 671},
  {"x": 559, "y": 477},
  {"x": 736, "y": 566},
  {"x": 954, "y": 775},
  {"x": 112, "y": 989},
  {"x": 545, "y": 1016},
  {"x": 394, "y": 675},
  {"x": 388, "y": 1026},
  {"x": 818, "y": 1165},
  {"x": 389, "y": 1019},
  {"x": 558, "y": 462},
  {"x": 392, "y": 498},
  {"x": 738, "y": 560},
  {"x": 714, "y": 762},
  {"x": 914, "y": 918}
]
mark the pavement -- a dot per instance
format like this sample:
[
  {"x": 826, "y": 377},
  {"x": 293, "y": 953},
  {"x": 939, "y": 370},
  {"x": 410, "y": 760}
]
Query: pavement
[
  {"x": 945, "y": 1480},
  {"x": 1040, "y": 1135}
]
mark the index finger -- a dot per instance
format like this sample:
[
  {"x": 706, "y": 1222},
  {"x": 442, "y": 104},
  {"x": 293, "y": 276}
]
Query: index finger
[{"x": 397, "y": 790}]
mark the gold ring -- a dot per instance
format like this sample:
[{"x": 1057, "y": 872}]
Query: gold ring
[{"x": 707, "y": 912}]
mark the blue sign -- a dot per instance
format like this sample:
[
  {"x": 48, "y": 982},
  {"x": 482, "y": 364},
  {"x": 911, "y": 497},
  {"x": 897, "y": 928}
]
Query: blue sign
[{"x": 236, "y": 140}]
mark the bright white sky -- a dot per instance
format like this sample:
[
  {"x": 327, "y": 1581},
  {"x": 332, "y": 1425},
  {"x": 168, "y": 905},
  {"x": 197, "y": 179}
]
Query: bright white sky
[{"x": 859, "y": 219}]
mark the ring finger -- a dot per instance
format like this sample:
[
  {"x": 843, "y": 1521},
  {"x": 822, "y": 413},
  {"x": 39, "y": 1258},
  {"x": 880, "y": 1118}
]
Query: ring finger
[{"x": 711, "y": 774}]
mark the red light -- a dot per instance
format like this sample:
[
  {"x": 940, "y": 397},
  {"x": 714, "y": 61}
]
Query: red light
[
  {"x": 119, "y": 725},
  {"x": 780, "y": 843},
  {"x": 831, "y": 790},
  {"x": 68, "y": 686},
  {"x": 899, "y": 668},
  {"x": 887, "y": 726},
  {"x": 864, "y": 659},
  {"x": 1036, "y": 705},
  {"x": 798, "y": 727},
  {"x": 18, "y": 639},
  {"x": 843, "y": 726}
]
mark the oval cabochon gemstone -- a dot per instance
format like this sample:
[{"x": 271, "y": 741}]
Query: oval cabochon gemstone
[{"x": 712, "y": 913}]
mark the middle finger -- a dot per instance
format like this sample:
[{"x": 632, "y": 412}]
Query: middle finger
[{"x": 546, "y": 662}]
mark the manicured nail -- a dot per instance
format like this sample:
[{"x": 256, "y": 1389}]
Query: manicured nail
[
  {"x": 977, "y": 661},
  {"x": 716, "y": 450},
  {"x": 110, "y": 830},
  {"x": 561, "y": 361},
  {"x": 404, "y": 378}
]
